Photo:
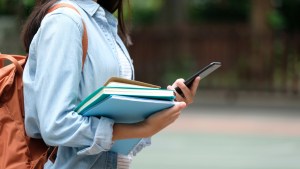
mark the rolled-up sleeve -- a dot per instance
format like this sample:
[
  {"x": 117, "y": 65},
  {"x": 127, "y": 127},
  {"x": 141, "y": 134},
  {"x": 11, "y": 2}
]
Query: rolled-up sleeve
[
  {"x": 53, "y": 87},
  {"x": 140, "y": 146},
  {"x": 102, "y": 140}
]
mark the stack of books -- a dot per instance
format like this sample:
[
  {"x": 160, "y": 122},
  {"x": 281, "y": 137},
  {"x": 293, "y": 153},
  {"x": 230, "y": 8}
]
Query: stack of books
[{"x": 126, "y": 101}]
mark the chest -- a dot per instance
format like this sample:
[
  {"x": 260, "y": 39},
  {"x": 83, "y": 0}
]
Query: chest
[{"x": 103, "y": 58}]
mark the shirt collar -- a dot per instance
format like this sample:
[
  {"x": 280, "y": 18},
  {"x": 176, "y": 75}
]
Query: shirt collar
[
  {"x": 92, "y": 8},
  {"x": 89, "y": 6},
  {"x": 112, "y": 20}
]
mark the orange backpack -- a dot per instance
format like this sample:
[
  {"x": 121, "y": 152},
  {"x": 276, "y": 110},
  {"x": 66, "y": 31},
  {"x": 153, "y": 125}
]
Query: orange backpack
[{"x": 17, "y": 150}]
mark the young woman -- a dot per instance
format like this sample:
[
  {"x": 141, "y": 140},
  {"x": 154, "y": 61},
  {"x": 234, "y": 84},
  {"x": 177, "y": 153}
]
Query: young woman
[{"x": 54, "y": 83}]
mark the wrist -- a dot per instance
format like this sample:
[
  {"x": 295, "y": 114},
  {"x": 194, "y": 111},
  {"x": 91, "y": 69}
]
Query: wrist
[
  {"x": 127, "y": 131},
  {"x": 149, "y": 129}
]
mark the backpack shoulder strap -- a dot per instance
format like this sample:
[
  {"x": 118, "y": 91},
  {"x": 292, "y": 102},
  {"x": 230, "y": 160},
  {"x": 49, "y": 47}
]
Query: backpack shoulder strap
[{"x": 84, "y": 36}]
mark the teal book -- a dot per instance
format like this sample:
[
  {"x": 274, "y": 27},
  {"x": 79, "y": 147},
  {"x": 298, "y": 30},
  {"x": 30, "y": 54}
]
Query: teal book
[
  {"x": 126, "y": 109},
  {"x": 104, "y": 92}
]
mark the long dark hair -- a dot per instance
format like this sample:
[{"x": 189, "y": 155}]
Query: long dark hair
[{"x": 42, "y": 6}]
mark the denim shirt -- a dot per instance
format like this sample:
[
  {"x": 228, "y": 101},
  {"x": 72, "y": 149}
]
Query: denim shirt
[{"x": 55, "y": 83}]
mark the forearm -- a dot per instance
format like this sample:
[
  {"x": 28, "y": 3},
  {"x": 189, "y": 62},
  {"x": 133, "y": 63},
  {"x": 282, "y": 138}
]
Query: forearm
[
  {"x": 127, "y": 131},
  {"x": 148, "y": 127}
]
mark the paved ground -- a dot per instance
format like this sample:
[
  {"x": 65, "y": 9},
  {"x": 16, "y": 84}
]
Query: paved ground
[{"x": 224, "y": 130}]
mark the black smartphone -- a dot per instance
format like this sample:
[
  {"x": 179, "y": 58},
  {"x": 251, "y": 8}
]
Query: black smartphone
[{"x": 202, "y": 73}]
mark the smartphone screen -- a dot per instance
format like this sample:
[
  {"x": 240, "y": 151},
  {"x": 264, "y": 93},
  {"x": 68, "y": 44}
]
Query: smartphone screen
[{"x": 202, "y": 73}]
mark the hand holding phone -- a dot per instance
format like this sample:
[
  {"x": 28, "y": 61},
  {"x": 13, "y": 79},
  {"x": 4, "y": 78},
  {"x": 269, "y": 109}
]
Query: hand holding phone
[{"x": 202, "y": 73}]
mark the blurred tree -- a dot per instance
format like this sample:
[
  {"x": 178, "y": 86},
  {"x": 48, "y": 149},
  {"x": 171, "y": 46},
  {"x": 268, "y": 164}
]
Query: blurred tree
[
  {"x": 219, "y": 10},
  {"x": 291, "y": 56},
  {"x": 7, "y": 7},
  {"x": 173, "y": 16},
  {"x": 167, "y": 19},
  {"x": 16, "y": 7},
  {"x": 290, "y": 11},
  {"x": 27, "y": 7},
  {"x": 260, "y": 61},
  {"x": 145, "y": 12},
  {"x": 12, "y": 12},
  {"x": 174, "y": 12}
]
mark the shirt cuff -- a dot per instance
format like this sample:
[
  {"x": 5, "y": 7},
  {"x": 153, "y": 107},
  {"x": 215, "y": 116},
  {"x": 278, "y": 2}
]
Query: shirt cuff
[
  {"x": 141, "y": 145},
  {"x": 103, "y": 138}
]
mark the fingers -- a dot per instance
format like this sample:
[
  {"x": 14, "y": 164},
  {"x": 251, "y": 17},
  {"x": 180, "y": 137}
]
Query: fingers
[
  {"x": 185, "y": 90},
  {"x": 160, "y": 120},
  {"x": 178, "y": 96},
  {"x": 195, "y": 86},
  {"x": 175, "y": 112},
  {"x": 175, "y": 109},
  {"x": 179, "y": 106},
  {"x": 189, "y": 93}
]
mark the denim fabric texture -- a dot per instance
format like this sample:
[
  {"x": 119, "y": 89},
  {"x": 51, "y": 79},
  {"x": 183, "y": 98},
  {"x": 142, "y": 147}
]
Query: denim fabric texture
[{"x": 55, "y": 83}]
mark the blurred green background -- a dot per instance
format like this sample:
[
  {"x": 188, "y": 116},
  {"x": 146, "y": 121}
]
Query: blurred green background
[
  {"x": 247, "y": 113},
  {"x": 257, "y": 41}
]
